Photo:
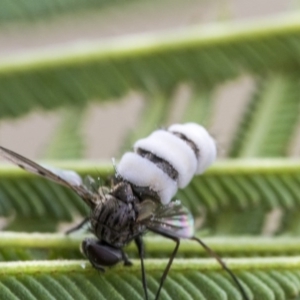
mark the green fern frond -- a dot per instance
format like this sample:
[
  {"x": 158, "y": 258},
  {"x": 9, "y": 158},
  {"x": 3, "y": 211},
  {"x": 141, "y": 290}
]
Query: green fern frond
[
  {"x": 49, "y": 246},
  {"x": 199, "y": 108},
  {"x": 201, "y": 278},
  {"x": 232, "y": 197},
  {"x": 270, "y": 119},
  {"x": 68, "y": 142},
  {"x": 35, "y": 11},
  {"x": 153, "y": 115},
  {"x": 202, "y": 56},
  {"x": 158, "y": 112}
]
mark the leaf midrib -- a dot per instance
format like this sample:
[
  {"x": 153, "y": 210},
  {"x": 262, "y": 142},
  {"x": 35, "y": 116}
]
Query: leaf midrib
[
  {"x": 156, "y": 244},
  {"x": 152, "y": 265},
  {"x": 148, "y": 44}
]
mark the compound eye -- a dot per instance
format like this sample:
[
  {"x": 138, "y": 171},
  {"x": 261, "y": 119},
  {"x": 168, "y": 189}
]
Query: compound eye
[{"x": 101, "y": 255}]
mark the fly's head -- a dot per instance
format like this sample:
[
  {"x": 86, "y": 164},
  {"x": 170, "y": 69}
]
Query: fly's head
[{"x": 100, "y": 254}]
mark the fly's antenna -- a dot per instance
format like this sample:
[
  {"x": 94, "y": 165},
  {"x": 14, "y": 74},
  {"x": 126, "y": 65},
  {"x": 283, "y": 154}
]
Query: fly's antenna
[{"x": 222, "y": 263}]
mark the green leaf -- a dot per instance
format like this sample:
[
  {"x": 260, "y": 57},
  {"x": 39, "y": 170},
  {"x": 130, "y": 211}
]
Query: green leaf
[
  {"x": 42, "y": 246},
  {"x": 67, "y": 142},
  {"x": 199, "y": 107},
  {"x": 202, "y": 56},
  {"x": 75, "y": 278},
  {"x": 232, "y": 197},
  {"x": 270, "y": 119},
  {"x": 40, "y": 10},
  {"x": 154, "y": 113}
]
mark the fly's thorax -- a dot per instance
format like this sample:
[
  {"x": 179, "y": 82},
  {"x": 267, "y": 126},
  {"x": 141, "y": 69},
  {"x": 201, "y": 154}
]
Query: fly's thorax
[{"x": 114, "y": 221}]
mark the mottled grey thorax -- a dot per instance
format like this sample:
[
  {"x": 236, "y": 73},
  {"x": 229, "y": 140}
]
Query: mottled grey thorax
[{"x": 113, "y": 221}]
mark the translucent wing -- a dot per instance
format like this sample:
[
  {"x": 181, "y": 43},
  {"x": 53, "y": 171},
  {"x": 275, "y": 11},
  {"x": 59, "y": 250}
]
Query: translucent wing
[
  {"x": 64, "y": 177},
  {"x": 172, "y": 219},
  {"x": 69, "y": 176}
]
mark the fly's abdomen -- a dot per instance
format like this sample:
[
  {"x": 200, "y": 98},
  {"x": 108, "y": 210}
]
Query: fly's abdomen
[{"x": 168, "y": 159}]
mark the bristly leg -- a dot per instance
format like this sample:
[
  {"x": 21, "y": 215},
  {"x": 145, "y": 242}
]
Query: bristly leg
[
  {"x": 168, "y": 267},
  {"x": 126, "y": 260},
  {"x": 222, "y": 263},
  {"x": 79, "y": 226},
  {"x": 140, "y": 245}
]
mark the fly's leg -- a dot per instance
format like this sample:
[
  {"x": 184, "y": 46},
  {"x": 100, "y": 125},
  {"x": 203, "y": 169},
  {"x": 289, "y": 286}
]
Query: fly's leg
[
  {"x": 168, "y": 267},
  {"x": 140, "y": 245},
  {"x": 222, "y": 263},
  {"x": 79, "y": 226},
  {"x": 126, "y": 260}
]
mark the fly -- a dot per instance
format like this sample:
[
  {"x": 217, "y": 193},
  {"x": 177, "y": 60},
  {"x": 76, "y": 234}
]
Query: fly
[{"x": 139, "y": 198}]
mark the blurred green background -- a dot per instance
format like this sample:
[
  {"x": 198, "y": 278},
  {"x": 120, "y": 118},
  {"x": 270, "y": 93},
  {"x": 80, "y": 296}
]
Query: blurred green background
[{"x": 29, "y": 29}]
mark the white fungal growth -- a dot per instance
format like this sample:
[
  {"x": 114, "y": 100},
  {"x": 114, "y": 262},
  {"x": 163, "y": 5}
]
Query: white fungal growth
[
  {"x": 173, "y": 150},
  {"x": 142, "y": 172},
  {"x": 70, "y": 176},
  {"x": 203, "y": 141},
  {"x": 168, "y": 159}
]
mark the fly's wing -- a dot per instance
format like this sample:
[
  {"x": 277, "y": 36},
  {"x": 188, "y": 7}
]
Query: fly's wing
[
  {"x": 172, "y": 219},
  {"x": 64, "y": 177}
]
